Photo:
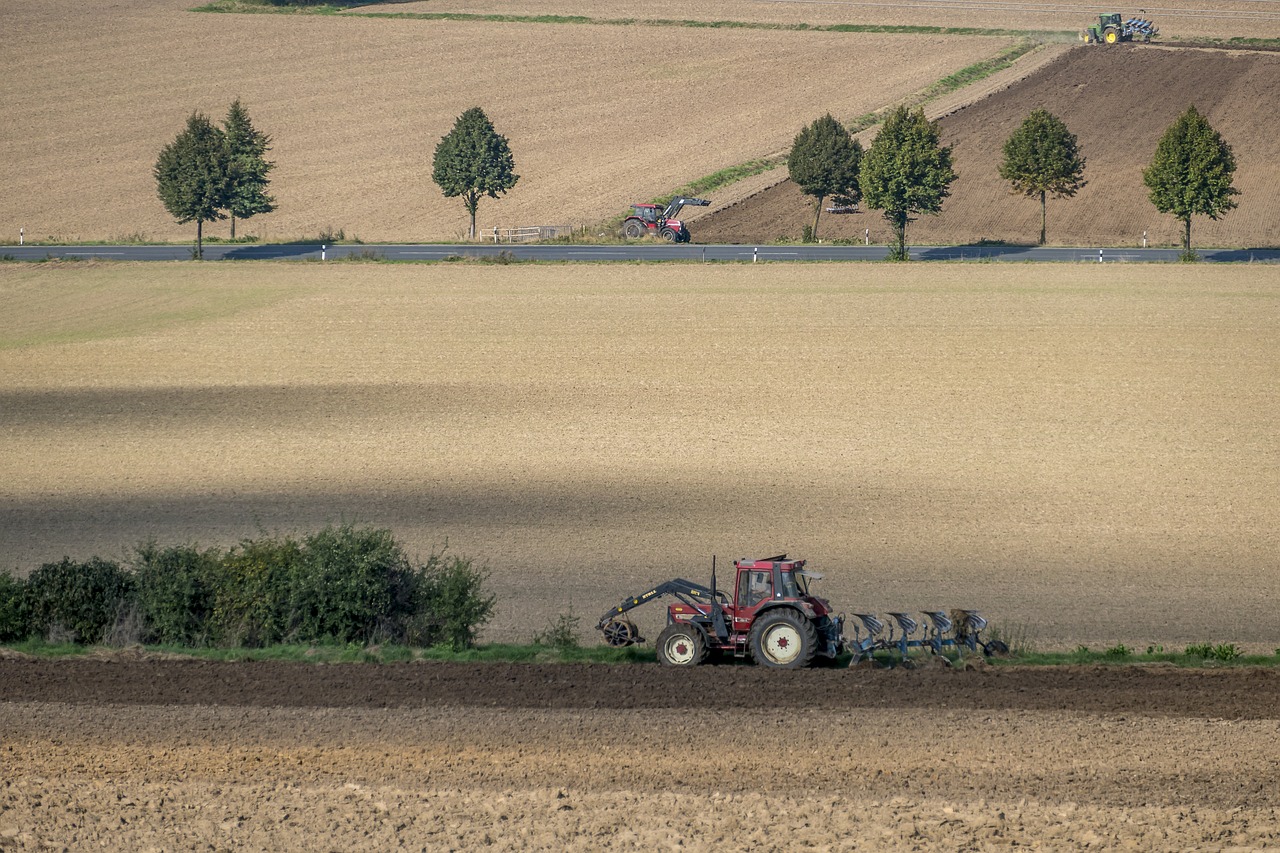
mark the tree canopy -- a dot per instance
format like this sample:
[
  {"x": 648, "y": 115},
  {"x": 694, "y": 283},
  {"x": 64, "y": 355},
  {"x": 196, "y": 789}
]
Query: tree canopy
[
  {"x": 1191, "y": 172},
  {"x": 1042, "y": 157},
  {"x": 473, "y": 160},
  {"x": 248, "y": 166},
  {"x": 192, "y": 176},
  {"x": 824, "y": 163},
  {"x": 906, "y": 171}
]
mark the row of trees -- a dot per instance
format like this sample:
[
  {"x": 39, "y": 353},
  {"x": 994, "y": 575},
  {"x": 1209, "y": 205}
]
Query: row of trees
[
  {"x": 906, "y": 171},
  {"x": 209, "y": 173}
]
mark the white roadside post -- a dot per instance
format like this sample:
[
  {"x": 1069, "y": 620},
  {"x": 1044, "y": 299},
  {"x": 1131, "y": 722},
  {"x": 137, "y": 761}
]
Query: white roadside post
[
  {"x": 1144, "y": 239},
  {"x": 867, "y": 237},
  {"x": 322, "y": 251},
  {"x": 1099, "y": 256},
  {"x": 22, "y": 236},
  {"x": 755, "y": 254}
]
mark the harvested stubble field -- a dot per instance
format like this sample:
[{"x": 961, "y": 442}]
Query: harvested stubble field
[
  {"x": 1212, "y": 19},
  {"x": 1088, "y": 451},
  {"x": 356, "y": 106}
]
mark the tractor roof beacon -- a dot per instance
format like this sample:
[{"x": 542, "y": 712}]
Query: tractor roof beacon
[
  {"x": 771, "y": 615},
  {"x": 652, "y": 220}
]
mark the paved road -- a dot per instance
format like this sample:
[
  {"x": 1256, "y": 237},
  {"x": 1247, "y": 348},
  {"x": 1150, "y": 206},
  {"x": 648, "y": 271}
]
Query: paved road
[{"x": 647, "y": 252}]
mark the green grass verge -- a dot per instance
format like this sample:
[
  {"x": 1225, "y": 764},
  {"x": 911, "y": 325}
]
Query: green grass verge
[
  {"x": 347, "y": 9},
  {"x": 1204, "y": 656}
]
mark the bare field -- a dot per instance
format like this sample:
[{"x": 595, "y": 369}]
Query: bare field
[
  {"x": 429, "y": 756},
  {"x": 1238, "y": 91},
  {"x": 1087, "y": 451},
  {"x": 356, "y": 107},
  {"x": 1216, "y": 18}
]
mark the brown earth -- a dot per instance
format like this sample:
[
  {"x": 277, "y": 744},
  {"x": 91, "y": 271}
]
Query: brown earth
[
  {"x": 1118, "y": 102},
  {"x": 1085, "y": 453},
  {"x": 355, "y": 107},
  {"x": 162, "y": 755}
]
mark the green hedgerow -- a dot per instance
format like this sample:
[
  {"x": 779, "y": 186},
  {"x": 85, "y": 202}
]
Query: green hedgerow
[
  {"x": 83, "y": 599},
  {"x": 14, "y": 620}
]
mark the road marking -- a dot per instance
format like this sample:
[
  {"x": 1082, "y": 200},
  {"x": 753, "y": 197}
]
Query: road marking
[{"x": 94, "y": 254}]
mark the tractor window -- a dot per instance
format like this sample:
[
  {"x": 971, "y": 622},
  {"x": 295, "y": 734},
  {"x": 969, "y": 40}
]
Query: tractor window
[{"x": 761, "y": 588}]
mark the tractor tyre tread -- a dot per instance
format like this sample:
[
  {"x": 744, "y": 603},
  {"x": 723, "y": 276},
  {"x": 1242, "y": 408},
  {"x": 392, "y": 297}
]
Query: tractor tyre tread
[
  {"x": 682, "y": 629},
  {"x": 805, "y": 629}
]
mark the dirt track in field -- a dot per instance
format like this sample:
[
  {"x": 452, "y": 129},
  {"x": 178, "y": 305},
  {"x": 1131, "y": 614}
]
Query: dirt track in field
[
  {"x": 1140, "y": 90},
  {"x": 159, "y": 754}
]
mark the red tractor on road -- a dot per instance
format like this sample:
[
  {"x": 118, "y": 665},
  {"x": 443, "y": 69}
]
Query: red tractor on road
[
  {"x": 771, "y": 616},
  {"x": 652, "y": 220}
]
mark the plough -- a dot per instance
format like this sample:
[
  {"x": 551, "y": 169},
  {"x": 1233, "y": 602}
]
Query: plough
[{"x": 939, "y": 631}]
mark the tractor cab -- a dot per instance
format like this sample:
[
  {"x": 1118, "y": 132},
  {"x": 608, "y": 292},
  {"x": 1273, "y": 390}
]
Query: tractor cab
[{"x": 646, "y": 212}]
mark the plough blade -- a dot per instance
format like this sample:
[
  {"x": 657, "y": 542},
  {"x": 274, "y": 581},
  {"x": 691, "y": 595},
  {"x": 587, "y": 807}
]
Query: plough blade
[{"x": 939, "y": 631}]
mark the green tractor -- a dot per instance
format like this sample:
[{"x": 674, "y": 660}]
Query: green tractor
[{"x": 1111, "y": 29}]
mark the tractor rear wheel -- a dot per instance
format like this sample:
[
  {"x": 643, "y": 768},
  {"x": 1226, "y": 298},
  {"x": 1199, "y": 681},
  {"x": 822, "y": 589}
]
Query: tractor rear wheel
[
  {"x": 1111, "y": 35},
  {"x": 783, "y": 639},
  {"x": 634, "y": 229},
  {"x": 681, "y": 644}
]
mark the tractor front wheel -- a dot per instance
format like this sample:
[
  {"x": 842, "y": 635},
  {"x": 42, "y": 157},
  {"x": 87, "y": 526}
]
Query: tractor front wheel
[
  {"x": 783, "y": 639},
  {"x": 669, "y": 235},
  {"x": 1111, "y": 35},
  {"x": 681, "y": 644}
]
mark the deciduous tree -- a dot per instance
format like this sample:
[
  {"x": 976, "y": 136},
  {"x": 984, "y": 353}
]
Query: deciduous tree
[
  {"x": 192, "y": 176},
  {"x": 824, "y": 163},
  {"x": 906, "y": 171},
  {"x": 1191, "y": 172},
  {"x": 248, "y": 166},
  {"x": 1043, "y": 157},
  {"x": 474, "y": 160}
]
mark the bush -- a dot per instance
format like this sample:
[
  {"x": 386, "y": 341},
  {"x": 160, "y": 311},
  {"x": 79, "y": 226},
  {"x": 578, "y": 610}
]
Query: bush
[
  {"x": 13, "y": 609},
  {"x": 175, "y": 592},
  {"x": 449, "y": 606},
  {"x": 349, "y": 585},
  {"x": 340, "y": 585},
  {"x": 561, "y": 633},
  {"x": 80, "y": 599},
  {"x": 1118, "y": 651},
  {"x": 251, "y": 592}
]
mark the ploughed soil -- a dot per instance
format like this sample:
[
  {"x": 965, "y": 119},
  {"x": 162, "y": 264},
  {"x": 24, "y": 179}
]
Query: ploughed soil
[
  {"x": 132, "y": 753},
  {"x": 1119, "y": 102}
]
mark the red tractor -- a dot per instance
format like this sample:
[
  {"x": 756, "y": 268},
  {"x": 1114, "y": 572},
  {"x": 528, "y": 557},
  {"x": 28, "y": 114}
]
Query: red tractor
[
  {"x": 652, "y": 220},
  {"x": 770, "y": 616}
]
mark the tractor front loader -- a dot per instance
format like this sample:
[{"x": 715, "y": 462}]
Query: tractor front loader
[{"x": 651, "y": 220}]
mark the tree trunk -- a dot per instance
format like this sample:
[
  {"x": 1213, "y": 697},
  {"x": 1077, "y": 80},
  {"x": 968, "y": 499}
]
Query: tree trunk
[
  {"x": 1186, "y": 235},
  {"x": 472, "y": 200},
  {"x": 233, "y": 227},
  {"x": 1042, "y": 217},
  {"x": 199, "y": 239},
  {"x": 817, "y": 213},
  {"x": 900, "y": 230}
]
